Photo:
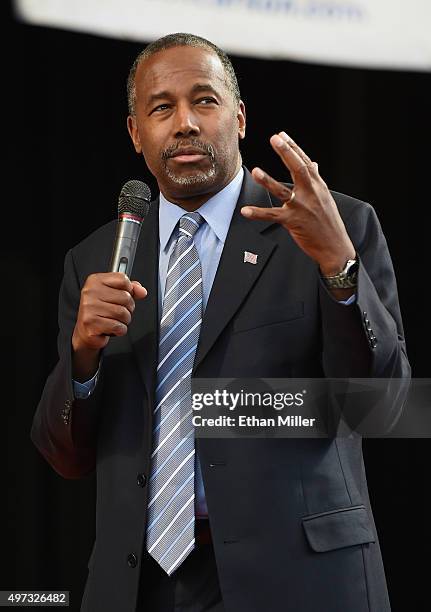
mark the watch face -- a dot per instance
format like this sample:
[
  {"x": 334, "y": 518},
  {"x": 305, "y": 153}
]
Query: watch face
[{"x": 353, "y": 268}]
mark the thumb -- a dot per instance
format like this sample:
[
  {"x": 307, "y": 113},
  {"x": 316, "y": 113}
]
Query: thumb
[{"x": 139, "y": 292}]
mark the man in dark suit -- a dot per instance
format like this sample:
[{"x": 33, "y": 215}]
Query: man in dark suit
[{"x": 295, "y": 282}]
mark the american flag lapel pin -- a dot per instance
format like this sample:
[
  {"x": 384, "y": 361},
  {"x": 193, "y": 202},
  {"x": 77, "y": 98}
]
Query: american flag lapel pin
[{"x": 250, "y": 257}]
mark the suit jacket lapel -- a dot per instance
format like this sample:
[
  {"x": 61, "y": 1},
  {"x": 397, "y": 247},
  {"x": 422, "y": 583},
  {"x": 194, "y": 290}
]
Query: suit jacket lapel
[
  {"x": 234, "y": 277},
  {"x": 144, "y": 328}
]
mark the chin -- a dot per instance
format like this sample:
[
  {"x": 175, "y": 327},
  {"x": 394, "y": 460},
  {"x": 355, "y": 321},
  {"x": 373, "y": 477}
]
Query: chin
[{"x": 200, "y": 178}]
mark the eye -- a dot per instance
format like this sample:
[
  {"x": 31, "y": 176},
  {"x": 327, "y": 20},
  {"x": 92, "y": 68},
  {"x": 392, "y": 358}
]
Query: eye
[
  {"x": 160, "y": 107},
  {"x": 207, "y": 100}
]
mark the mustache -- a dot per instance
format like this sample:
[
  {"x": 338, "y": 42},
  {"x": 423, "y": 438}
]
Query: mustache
[{"x": 205, "y": 147}]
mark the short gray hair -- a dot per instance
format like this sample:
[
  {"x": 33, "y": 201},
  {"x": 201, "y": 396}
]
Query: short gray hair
[{"x": 181, "y": 40}]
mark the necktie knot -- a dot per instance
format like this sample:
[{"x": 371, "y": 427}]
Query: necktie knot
[{"x": 190, "y": 223}]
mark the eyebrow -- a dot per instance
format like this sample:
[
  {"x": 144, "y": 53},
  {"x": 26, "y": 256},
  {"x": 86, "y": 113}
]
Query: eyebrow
[
  {"x": 165, "y": 95},
  {"x": 204, "y": 87}
]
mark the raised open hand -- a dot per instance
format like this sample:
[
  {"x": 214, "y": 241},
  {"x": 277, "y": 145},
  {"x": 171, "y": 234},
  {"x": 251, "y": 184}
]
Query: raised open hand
[{"x": 309, "y": 211}]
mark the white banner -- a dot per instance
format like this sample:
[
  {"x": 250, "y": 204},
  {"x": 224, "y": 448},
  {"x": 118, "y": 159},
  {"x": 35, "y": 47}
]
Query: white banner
[{"x": 393, "y": 34}]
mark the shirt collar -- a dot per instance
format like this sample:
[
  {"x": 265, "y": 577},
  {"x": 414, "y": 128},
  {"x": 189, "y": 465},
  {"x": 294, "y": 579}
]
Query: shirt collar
[{"x": 217, "y": 211}]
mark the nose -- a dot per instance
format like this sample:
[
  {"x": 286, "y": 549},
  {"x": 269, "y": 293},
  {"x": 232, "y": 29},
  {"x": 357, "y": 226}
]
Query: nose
[{"x": 186, "y": 123}]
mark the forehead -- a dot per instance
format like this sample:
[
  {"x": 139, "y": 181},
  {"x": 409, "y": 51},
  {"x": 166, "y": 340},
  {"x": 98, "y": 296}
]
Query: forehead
[{"x": 177, "y": 66}]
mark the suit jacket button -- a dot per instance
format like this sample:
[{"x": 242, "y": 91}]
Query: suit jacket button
[
  {"x": 141, "y": 480},
  {"x": 65, "y": 413},
  {"x": 132, "y": 560}
]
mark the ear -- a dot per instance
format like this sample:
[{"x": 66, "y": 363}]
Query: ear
[
  {"x": 134, "y": 134},
  {"x": 241, "y": 120}
]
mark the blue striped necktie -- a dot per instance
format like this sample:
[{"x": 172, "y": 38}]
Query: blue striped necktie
[{"x": 171, "y": 509}]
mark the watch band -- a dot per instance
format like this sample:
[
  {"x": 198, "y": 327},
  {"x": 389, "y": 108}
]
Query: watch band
[{"x": 346, "y": 279}]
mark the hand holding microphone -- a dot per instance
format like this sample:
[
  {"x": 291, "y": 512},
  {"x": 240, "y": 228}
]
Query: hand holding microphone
[{"x": 108, "y": 298}]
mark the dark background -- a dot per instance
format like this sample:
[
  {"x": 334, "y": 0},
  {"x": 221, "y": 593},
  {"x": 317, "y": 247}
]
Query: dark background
[{"x": 68, "y": 156}]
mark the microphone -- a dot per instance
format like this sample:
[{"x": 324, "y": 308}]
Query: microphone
[{"x": 133, "y": 206}]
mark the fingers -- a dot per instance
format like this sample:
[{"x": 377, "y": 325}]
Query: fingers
[
  {"x": 276, "y": 215},
  {"x": 302, "y": 169},
  {"x": 97, "y": 289},
  {"x": 115, "y": 280},
  {"x": 106, "y": 307},
  {"x": 290, "y": 142},
  {"x": 103, "y": 326},
  {"x": 279, "y": 190},
  {"x": 298, "y": 167},
  {"x": 111, "y": 296},
  {"x": 93, "y": 329},
  {"x": 304, "y": 173},
  {"x": 111, "y": 311},
  {"x": 97, "y": 318}
]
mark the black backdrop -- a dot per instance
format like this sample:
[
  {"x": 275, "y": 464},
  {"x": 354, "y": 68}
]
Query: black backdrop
[{"x": 69, "y": 155}]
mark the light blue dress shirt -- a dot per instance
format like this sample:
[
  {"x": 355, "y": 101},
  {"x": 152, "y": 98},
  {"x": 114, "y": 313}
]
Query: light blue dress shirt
[{"x": 209, "y": 241}]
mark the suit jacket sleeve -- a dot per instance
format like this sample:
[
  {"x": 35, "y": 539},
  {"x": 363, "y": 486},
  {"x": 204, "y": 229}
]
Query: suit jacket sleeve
[
  {"x": 64, "y": 428},
  {"x": 366, "y": 339}
]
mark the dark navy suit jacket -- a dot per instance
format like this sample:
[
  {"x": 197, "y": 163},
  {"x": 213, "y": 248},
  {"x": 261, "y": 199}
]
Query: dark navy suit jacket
[{"x": 291, "y": 520}]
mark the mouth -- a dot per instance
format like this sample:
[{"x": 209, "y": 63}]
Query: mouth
[{"x": 188, "y": 155}]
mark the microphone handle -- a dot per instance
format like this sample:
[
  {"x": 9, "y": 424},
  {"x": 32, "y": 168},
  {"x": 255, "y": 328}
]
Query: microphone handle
[{"x": 126, "y": 241}]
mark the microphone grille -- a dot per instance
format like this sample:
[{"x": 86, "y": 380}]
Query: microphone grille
[{"x": 135, "y": 198}]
